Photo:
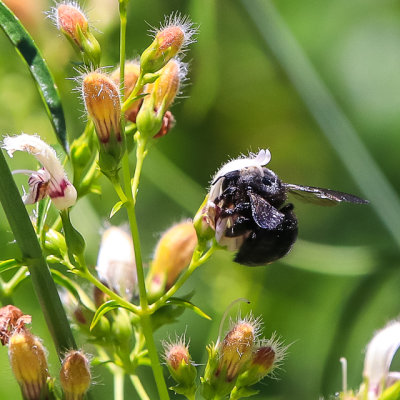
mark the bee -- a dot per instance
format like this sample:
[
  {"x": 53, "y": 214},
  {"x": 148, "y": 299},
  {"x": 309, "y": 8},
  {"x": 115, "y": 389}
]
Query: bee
[{"x": 248, "y": 209}]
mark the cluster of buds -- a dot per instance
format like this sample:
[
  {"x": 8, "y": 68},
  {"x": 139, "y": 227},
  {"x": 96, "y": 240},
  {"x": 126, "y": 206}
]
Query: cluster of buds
[
  {"x": 172, "y": 255},
  {"x": 73, "y": 23},
  {"x": 379, "y": 382},
  {"x": 240, "y": 360},
  {"x": 28, "y": 360}
]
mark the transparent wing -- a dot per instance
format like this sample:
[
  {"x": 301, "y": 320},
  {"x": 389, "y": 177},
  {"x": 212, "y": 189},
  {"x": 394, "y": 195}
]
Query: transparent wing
[
  {"x": 264, "y": 215},
  {"x": 321, "y": 196}
]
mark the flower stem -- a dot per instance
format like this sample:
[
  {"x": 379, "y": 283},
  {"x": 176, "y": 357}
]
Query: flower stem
[
  {"x": 141, "y": 153},
  {"x": 139, "y": 387},
  {"x": 119, "y": 378}
]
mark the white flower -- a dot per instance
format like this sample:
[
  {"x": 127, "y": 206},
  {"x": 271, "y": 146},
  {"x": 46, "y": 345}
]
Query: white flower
[
  {"x": 379, "y": 355},
  {"x": 116, "y": 262},
  {"x": 51, "y": 180}
]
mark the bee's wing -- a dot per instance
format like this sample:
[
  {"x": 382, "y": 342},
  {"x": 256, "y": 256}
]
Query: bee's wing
[
  {"x": 264, "y": 215},
  {"x": 321, "y": 196}
]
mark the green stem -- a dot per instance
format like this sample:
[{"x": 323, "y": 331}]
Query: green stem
[
  {"x": 141, "y": 153},
  {"x": 139, "y": 387},
  {"x": 197, "y": 260},
  {"x": 42, "y": 281},
  {"x": 119, "y": 378},
  {"x": 14, "y": 281},
  {"x": 155, "y": 363}
]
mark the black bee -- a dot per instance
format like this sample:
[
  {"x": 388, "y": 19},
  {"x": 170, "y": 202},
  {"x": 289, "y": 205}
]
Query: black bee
[{"x": 250, "y": 212}]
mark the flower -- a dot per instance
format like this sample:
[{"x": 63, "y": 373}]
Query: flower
[
  {"x": 116, "y": 262},
  {"x": 210, "y": 214},
  {"x": 379, "y": 355},
  {"x": 75, "y": 375},
  {"x": 51, "y": 180},
  {"x": 173, "y": 37}
]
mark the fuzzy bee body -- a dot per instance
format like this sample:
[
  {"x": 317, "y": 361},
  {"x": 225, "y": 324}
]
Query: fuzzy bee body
[{"x": 252, "y": 216}]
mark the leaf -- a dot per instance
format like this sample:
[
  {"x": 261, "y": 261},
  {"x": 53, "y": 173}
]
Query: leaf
[
  {"x": 26, "y": 47},
  {"x": 9, "y": 264},
  {"x": 62, "y": 280},
  {"x": 187, "y": 304},
  {"x": 103, "y": 309},
  {"x": 116, "y": 208}
]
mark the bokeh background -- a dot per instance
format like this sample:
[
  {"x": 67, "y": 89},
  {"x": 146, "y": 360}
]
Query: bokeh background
[{"x": 247, "y": 90}]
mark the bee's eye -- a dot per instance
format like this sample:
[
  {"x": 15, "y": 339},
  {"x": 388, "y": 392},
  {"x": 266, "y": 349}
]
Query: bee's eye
[{"x": 266, "y": 181}]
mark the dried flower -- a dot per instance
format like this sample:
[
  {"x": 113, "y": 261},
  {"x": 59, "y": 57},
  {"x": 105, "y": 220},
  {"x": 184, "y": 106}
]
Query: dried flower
[
  {"x": 11, "y": 319},
  {"x": 116, "y": 262},
  {"x": 173, "y": 36},
  {"x": 51, "y": 180},
  {"x": 29, "y": 364},
  {"x": 73, "y": 23},
  {"x": 75, "y": 375},
  {"x": 172, "y": 255},
  {"x": 132, "y": 71}
]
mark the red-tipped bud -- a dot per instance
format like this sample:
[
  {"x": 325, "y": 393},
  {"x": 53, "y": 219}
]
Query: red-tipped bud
[
  {"x": 75, "y": 375},
  {"x": 172, "y": 255},
  {"x": 29, "y": 364},
  {"x": 176, "y": 33}
]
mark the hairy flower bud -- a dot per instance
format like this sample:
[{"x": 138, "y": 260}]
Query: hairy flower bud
[
  {"x": 172, "y": 255},
  {"x": 172, "y": 37},
  {"x": 180, "y": 366},
  {"x": 29, "y": 364},
  {"x": 73, "y": 23},
  {"x": 102, "y": 102},
  {"x": 75, "y": 375},
  {"x": 132, "y": 71}
]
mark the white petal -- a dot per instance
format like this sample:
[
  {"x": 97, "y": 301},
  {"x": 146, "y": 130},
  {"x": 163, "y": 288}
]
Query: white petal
[
  {"x": 32, "y": 144},
  {"x": 116, "y": 262},
  {"x": 380, "y": 352},
  {"x": 68, "y": 199}
]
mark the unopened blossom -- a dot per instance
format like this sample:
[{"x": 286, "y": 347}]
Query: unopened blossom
[
  {"x": 173, "y": 36},
  {"x": 29, "y": 364},
  {"x": 75, "y": 376},
  {"x": 51, "y": 180},
  {"x": 116, "y": 262},
  {"x": 379, "y": 355}
]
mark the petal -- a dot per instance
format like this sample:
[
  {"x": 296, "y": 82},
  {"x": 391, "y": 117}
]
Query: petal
[
  {"x": 38, "y": 187},
  {"x": 380, "y": 352},
  {"x": 32, "y": 144}
]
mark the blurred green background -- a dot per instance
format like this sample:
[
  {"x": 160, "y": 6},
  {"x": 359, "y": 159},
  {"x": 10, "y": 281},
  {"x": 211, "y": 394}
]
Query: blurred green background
[{"x": 341, "y": 281}]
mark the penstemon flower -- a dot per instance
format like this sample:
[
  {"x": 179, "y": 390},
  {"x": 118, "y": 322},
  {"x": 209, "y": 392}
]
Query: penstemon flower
[{"x": 51, "y": 180}]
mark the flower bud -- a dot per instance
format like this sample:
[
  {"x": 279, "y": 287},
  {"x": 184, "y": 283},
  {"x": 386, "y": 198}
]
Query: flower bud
[
  {"x": 116, "y": 262},
  {"x": 132, "y": 71},
  {"x": 172, "y": 255},
  {"x": 171, "y": 38},
  {"x": 72, "y": 22},
  {"x": 180, "y": 366},
  {"x": 29, "y": 364},
  {"x": 75, "y": 375},
  {"x": 101, "y": 98}
]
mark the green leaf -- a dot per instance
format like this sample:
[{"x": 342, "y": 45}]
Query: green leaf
[
  {"x": 26, "y": 47},
  {"x": 9, "y": 264},
  {"x": 62, "y": 280},
  {"x": 103, "y": 309},
  {"x": 187, "y": 304},
  {"x": 116, "y": 208},
  {"x": 391, "y": 393}
]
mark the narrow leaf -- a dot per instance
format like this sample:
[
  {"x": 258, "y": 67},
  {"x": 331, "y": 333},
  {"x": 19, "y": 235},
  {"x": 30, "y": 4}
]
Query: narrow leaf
[
  {"x": 9, "y": 264},
  {"x": 116, "y": 208},
  {"x": 26, "y": 47},
  {"x": 187, "y": 304},
  {"x": 103, "y": 309}
]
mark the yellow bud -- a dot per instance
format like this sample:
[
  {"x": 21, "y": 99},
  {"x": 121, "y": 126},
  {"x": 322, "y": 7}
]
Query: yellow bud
[
  {"x": 236, "y": 349},
  {"x": 132, "y": 71},
  {"x": 29, "y": 364},
  {"x": 75, "y": 375},
  {"x": 101, "y": 97},
  {"x": 173, "y": 254}
]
